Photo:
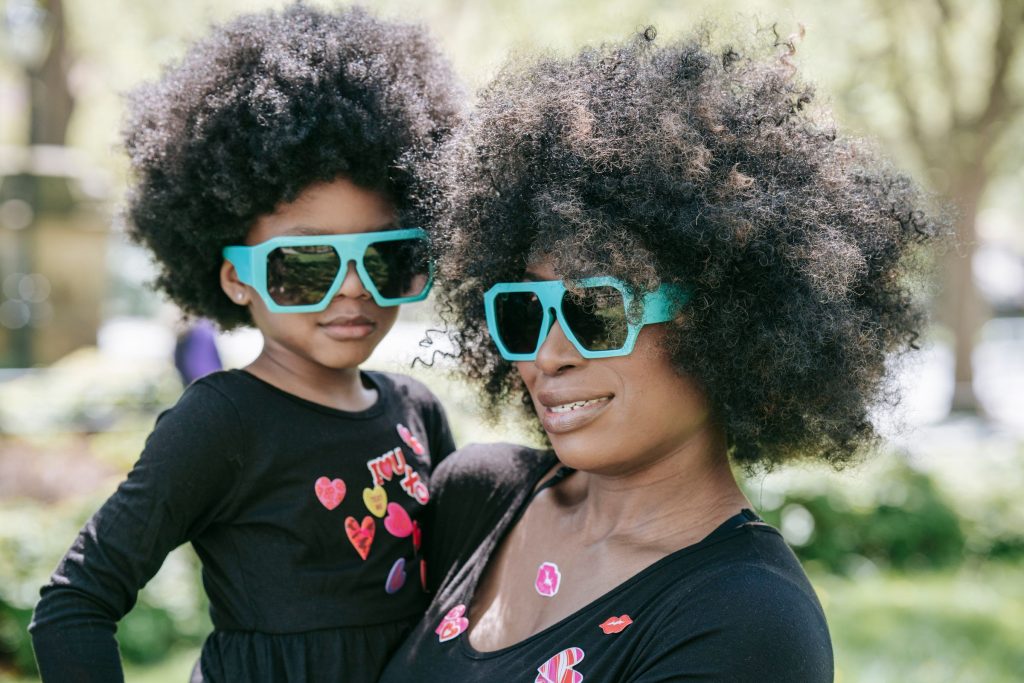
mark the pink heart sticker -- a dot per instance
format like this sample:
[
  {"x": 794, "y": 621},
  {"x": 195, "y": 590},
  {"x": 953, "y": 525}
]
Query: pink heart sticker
[
  {"x": 559, "y": 669},
  {"x": 417, "y": 536},
  {"x": 410, "y": 440},
  {"x": 398, "y": 522},
  {"x": 452, "y": 624},
  {"x": 329, "y": 492}
]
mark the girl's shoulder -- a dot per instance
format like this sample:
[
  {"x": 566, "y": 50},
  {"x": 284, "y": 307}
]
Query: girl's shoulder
[{"x": 402, "y": 387}]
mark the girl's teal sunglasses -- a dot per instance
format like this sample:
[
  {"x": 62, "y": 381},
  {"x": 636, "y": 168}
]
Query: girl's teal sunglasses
[
  {"x": 303, "y": 273},
  {"x": 597, "y": 316}
]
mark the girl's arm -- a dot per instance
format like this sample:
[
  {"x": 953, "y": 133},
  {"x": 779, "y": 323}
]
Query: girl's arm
[{"x": 181, "y": 483}]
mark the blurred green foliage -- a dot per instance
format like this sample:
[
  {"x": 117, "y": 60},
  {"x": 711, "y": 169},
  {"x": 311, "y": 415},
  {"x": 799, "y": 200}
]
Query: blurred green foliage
[{"x": 171, "y": 611}]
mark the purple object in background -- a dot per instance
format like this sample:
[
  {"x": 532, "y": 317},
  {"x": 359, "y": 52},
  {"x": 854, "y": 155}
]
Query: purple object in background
[{"x": 195, "y": 353}]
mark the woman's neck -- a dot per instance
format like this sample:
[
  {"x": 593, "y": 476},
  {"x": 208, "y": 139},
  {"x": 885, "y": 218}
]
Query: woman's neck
[{"x": 674, "y": 499}]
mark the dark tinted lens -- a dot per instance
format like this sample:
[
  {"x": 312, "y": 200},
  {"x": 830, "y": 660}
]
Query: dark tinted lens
[
  {"x": 519, "y": 317},
  {"x": 597, "y": 316},
  {"x": 398, "y": 268},
  {"x": 300, "y": 276}
]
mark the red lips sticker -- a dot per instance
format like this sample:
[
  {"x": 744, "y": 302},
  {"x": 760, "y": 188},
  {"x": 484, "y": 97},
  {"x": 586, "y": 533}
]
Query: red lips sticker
[
  {"x": 616, "y": 624},
  {"x": 329, "y": 492}
]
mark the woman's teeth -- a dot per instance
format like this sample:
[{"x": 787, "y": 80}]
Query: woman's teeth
[{"x": 567, "y": 407}]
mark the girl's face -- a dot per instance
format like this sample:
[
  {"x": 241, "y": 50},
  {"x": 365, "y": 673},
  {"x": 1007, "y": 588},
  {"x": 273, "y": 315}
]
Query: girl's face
[
  {"x": 346, "y": 332},
  {"x": 637, "y": 411}
]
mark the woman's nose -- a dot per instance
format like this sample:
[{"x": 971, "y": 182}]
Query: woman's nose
[{"x": 556, "y": 353}]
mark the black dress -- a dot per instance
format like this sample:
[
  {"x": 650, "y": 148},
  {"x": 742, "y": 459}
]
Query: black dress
[
  {"x": 736, "y": 606},
  {"x": 308, "y": 521}
]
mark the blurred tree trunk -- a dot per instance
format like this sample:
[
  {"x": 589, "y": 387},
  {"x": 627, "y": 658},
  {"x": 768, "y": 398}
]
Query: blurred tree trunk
[
  {"x": 52, "y": 102},
  {"x": 955, "y": 129}
]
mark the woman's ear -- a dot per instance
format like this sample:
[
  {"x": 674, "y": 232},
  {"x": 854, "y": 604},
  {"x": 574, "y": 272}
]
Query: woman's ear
[{"x": 232, "y": 286}]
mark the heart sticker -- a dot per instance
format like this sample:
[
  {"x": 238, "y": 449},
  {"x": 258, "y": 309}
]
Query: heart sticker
[
  {"x": 417, "y": 536},
  {"x": 396, "y": 577},
  {"x": 548, "y": 579},
  {"x": 559, "y": 669},
  {"x": 360, "y": 534},
  {"x": 615, "y": 624},
  {"x": 398, "y": 522},
  {"x": 452, "y": 624},
  {"x": 410, "y": 440},
  {"x": 375, "y": 500},
  {"x": 423, "y": 575},
  {"x": 330, "y": 492}
]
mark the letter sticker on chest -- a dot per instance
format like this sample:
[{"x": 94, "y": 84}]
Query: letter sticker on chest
[{"x": 393, "y": 465}]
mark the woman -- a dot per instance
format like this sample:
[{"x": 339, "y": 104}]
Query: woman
[{"x": 674, "y": 263}]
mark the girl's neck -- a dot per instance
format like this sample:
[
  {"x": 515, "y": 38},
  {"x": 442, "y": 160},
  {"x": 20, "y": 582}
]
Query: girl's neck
[
  {"x": 671, "y": 502},
  {"x": 339, "y": 388}
]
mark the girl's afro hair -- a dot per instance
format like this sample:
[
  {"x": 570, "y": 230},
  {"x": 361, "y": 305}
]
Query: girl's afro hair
[
  {"x": 261, "y": 109},
  {"x": 708, "y": 169}
]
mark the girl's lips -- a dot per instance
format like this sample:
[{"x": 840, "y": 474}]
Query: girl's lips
[
  {"x": 348, "y": 329},
  {"x": 557, "y": 420}
]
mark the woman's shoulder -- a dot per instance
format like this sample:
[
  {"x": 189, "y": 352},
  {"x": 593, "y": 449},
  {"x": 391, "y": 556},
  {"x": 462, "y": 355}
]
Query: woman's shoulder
[{"x": 749, "y": 609}]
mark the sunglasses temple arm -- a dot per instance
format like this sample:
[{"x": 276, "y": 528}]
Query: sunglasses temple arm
[
  {"x": 241, "y": 259},
  {"x": 664, "y": 303}
]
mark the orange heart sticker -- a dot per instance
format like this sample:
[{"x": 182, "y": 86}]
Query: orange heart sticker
[{"x": 360, "y": 534}]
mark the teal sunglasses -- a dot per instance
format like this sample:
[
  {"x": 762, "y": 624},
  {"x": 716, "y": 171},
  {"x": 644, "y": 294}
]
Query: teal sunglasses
[
  {"x": 597, "y": 316},
  {"x": 303, "y": 273}
]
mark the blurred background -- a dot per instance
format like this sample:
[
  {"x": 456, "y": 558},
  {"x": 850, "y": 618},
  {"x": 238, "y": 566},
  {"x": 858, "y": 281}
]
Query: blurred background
[{"x": 917, "y": 554}]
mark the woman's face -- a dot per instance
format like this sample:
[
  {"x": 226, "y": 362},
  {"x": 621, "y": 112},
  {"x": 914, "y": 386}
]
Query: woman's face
[{"x": 636, "y": 410}]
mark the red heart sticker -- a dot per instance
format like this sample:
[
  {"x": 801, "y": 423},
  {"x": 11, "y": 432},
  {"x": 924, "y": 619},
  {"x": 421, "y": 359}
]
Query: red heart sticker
[
  {"x": 423, "y": 575},
  {"x": 616, "y": 624},
  {"x": 330, "y": 492},
  {"x": 360, "y": 534},
  {"x": 417, "y": 535}
]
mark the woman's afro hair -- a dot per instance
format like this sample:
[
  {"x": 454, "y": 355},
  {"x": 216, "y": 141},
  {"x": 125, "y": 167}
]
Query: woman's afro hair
[
  {"x": 261, "y": 109},
  {"x": 708, "y": 169}
]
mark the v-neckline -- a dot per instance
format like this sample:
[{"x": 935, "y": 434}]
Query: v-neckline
[{"x": 498, "y": 536}]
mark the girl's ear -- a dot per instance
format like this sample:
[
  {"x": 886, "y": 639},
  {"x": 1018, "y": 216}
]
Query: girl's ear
[{"x": 232, "y": 286}]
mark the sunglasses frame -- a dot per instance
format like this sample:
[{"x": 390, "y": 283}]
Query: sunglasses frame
[
  {"x": 659, "y": 306},
  {"x": 250, "y": 263}
]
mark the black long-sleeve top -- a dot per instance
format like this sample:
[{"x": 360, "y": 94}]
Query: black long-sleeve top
[{"x": 307, "y": 520}]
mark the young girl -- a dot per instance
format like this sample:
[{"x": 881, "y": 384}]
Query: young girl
[{"x": 271, "y": 190}]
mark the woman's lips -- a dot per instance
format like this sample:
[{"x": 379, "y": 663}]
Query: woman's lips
[
  {"x": 559, "y": 418},
  {"x": 348, "y": 328}
]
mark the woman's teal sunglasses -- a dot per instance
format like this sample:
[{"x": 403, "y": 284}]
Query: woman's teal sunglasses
[
  {"x": 303, "y": 273},
  {"x": 597, "y": 315}
]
